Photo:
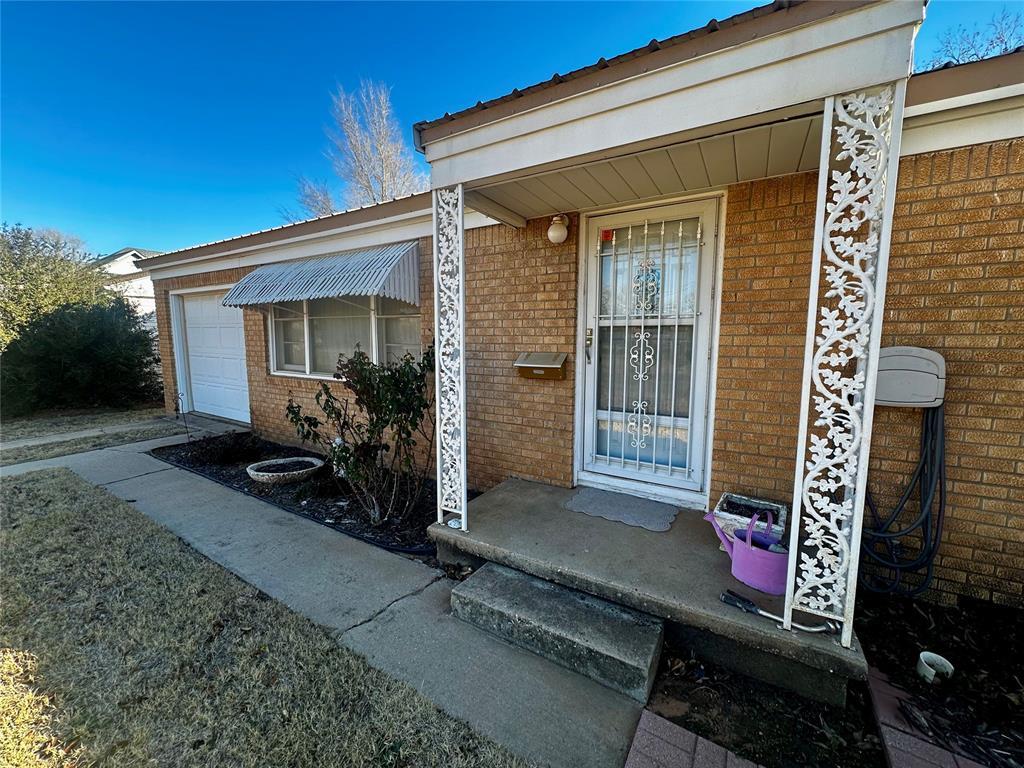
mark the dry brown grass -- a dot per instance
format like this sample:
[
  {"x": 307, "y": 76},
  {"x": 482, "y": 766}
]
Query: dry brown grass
[
  {"x": 26, "y": 734},
  {"x": 155, "y": 655},
  {"x": 56, "y": 422},
  {"x": 79, "y": 445}
]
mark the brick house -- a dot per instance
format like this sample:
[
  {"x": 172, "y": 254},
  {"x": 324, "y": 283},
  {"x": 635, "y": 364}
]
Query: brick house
[{"x": 659, "y": 219}]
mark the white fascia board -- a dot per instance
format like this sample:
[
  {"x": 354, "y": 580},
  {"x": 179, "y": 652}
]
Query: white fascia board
[
  {"x": 407, "y": 227},
  {"x": 850, "y": 51},
  {"x": 288, "y": 241},
  {"x": 977, "y": 123},
  {"x": 964, "y": 100}
]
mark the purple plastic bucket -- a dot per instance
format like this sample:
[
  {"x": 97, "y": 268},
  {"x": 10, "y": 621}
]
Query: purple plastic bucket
[
  {"x": 761, "y": 540},
  {"x": 752, "y": 563}
]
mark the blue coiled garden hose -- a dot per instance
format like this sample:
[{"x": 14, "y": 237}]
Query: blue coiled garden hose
[{"x": 884, "y": 544}]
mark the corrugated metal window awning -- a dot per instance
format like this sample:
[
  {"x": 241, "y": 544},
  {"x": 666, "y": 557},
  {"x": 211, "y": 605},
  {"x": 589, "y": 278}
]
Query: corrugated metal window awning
[{"x": 387, "y": 270}]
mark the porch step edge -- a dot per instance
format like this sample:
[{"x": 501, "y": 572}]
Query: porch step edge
[
  {"x": 827, "y": 658},
  {"x": 609, "y": 643}
]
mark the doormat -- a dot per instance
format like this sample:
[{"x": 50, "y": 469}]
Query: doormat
[{"x": 620, "y": 508}]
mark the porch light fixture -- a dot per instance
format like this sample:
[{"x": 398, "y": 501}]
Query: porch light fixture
[{"x": 559, "y": 229}]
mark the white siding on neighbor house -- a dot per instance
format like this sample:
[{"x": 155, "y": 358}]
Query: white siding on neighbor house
[
  {"x": 134, "y": 284},
  {"x": 139, "y": 291}
]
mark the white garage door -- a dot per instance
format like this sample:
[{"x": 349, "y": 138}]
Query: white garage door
[{"x": 216, "y": 357}]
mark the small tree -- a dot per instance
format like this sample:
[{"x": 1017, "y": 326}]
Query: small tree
[
  {"x": 367, "y": 152},
  {"x": 1003, "y": 33},
  {"x": 380, "y": 438},
  {"x": 41, "y": 270}
]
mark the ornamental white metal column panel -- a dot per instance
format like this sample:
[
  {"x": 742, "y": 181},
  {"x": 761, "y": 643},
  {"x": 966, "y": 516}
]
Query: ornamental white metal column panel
[
  {"x": 860, "y": 151},
  {"x": 450, "y": 339}
]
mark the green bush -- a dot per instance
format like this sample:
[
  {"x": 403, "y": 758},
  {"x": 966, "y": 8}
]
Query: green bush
[
  {"x": 80, "y": 356},
  {"x": 41, "y": 270},
  {"x": 380, "y": 438}
]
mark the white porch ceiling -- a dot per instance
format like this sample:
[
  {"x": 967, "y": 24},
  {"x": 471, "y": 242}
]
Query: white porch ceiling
[{"x": 778, "y": 149}]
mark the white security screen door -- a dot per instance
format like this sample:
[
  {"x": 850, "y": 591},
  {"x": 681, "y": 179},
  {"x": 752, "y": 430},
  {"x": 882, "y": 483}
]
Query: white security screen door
[{"x": 649, "y": 299}]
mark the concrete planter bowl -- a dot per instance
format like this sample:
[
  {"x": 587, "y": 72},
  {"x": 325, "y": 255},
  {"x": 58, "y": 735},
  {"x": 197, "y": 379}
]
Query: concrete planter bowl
[{"x": 264, "y": 471}]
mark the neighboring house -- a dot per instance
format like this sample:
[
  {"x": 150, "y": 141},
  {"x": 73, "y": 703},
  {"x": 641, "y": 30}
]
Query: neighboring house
[
  {"x": 659, "y": 219},
  {"x": 130, "y": 281}
]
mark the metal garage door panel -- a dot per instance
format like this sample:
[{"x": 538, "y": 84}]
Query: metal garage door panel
[{"x": 215, "y": 342}]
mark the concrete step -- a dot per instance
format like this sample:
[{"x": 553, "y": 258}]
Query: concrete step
[{"x": 616, "y": 646}]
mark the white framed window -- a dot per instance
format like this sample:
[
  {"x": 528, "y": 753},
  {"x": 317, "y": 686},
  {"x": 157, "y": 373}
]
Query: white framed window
[
  {"x": 398, "y": 330},
  {"x": 307, "y": 337}
]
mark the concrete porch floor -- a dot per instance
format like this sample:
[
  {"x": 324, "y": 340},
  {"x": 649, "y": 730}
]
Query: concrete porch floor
[{"x": 677, "y": 575}]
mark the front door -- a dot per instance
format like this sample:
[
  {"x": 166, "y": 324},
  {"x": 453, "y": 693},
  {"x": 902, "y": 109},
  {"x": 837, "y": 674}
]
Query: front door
[{"x": 648, "y": 340}]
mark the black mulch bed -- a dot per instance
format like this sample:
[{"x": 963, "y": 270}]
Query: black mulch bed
[
  {"x": 979, "y": 712},
  {"x": 224, "y": 459},
  {"x": 763, "y": 723}
]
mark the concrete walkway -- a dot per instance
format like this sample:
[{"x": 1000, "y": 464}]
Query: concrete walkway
[{"x": 392, "y": 610}]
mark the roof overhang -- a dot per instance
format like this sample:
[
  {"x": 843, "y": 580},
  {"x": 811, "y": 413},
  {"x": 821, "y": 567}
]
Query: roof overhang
[
  {"x": 974, "y": 103},
  {"x": 853, "y": 46},
  {"x": 310, "y": 228},
  {"x": 716, "y": 35},
  {"x": 389, "y": 270},
  {"x": 941, "y": 87},
  {"x": 780, "y": 146},
  {"x": 298, "y": 241}
]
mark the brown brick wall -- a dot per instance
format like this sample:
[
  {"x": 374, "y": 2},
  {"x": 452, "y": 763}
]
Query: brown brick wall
[
  {"x": 520, "y": 295},
  {"x": 955, "y": 285},
  {"x": 765, "y": 278}
]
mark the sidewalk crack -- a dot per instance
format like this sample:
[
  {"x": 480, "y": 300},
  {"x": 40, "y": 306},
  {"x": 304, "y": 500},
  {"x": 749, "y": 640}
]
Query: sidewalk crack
[
  {"x": 341, "y": 633},
  {"x": 133, "y": 477}
]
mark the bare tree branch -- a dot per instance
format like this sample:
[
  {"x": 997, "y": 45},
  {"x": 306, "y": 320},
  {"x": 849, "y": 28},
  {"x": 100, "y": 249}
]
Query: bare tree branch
[
  {"x": 367, "y": 150},
  {"x": 314, "y": 198},
  {"x": 960, "y": 45}
]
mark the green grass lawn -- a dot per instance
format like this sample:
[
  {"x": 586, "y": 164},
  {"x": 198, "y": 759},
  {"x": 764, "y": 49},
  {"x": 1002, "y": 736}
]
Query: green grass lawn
[
  {"x": 91, "y": 443},
  {"x": 121, "y": 642},
  {"x": 55, "y": 422}
]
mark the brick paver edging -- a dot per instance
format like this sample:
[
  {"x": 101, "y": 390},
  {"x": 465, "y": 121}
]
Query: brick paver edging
[
  {"x": 905, "y": 746},
  {"x": 659, "y": 743}
]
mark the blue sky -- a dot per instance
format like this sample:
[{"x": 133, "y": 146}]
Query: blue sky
[{"x": 161, "y": 125}]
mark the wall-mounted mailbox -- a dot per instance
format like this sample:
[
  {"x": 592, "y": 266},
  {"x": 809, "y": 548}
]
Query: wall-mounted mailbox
[{"x": 541, "y": 365}]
